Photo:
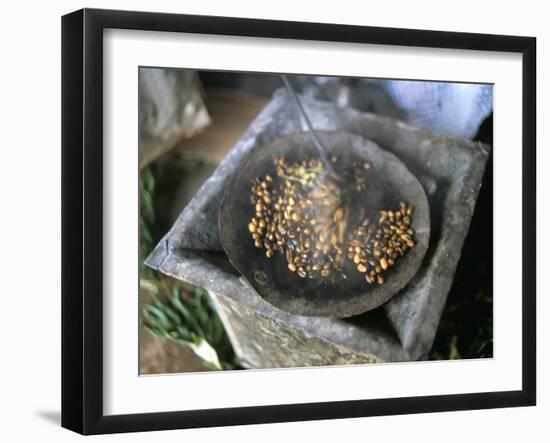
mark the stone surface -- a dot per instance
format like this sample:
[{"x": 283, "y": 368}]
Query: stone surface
[
  {"x": 162, "y": 356},
  {"x": 158, "y": 355},
  {"x": 402, "y": 329},
  {"x": 279, "y": 343},
  {"x": 171, "y": 108}
]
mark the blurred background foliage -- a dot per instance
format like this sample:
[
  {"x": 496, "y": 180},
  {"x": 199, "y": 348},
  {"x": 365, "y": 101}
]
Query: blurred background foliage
[{"x": 179, "y": 312}]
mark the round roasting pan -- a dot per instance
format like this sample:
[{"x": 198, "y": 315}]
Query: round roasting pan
[{"x": 389, "y": 182}]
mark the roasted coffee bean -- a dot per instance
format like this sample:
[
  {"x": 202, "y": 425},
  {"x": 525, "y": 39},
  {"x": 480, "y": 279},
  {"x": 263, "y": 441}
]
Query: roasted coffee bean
[{"x": 298, "y": 213}]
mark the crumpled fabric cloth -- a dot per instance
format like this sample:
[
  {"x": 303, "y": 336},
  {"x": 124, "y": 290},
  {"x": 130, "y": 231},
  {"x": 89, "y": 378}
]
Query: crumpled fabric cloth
[
  {"x": 455, "y": 109},
  {"x": 452, "y": 109}
]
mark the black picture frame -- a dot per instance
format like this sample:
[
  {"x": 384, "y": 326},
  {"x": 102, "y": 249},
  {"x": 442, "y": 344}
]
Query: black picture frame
[{"x": 82, "y": 220}]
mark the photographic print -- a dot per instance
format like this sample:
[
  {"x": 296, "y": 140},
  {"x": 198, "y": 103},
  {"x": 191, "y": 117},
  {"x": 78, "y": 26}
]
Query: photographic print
[
  {"x": 297, "y": 218},
  {"x": 289, "y": 221}
]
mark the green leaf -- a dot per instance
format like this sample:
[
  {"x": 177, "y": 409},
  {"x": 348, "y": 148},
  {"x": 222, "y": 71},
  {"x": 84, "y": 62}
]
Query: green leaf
[
  {"x": 148, "y": 285},
  {"x": 204, "y": 350},
  {"x": 158, "y": 314},
  {"x": 187, "y": 315},
  {"x": 183, "y": 333},
  {"x": 453, "y": 352},
  {"x": 173, "y": 315}
]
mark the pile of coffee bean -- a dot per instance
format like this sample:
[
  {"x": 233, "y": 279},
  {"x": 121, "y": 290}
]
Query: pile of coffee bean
[
  {"x": 376, "y": 247},
  {"x": 299, "y": 214}
]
